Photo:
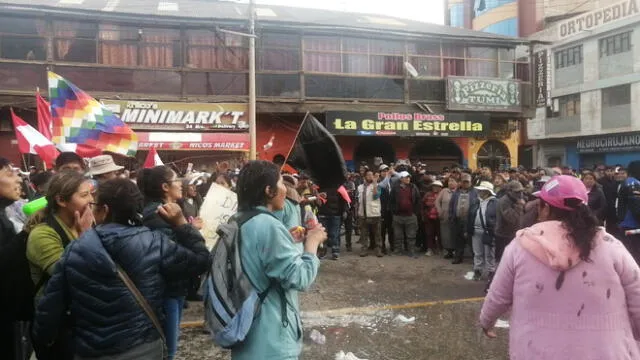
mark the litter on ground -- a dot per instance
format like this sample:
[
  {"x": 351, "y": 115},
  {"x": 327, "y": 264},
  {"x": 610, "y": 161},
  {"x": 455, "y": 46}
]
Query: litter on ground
[{"x": 348, "y": 356}]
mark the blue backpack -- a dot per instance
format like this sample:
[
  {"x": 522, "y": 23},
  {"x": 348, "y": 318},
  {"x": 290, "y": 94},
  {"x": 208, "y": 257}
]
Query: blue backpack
[{"x": 231, "y": 301}]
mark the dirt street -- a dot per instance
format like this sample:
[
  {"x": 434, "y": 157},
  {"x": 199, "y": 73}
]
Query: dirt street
[{"x": 349, "y": 305}]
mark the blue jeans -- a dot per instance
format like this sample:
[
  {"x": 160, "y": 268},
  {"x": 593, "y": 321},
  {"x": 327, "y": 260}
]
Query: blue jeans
[
  {"x": 173, "y": 316},
  {"x": 332, "y": 225}
]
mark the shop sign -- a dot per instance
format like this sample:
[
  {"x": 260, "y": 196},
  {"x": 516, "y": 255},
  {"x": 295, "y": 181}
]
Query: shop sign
[
  {"x": 406, "y": 124},
  {"x": 609, "y": 143},
  {"x": 483, "y": 94},
  {"x": 596, "y": 18},
  {"x": 193, "y": 141},
  {"x": 152, "y": 115},
  {"x": 541, "y": 66}
]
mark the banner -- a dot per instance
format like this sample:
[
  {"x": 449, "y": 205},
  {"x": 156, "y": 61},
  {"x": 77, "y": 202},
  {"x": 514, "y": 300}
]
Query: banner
[
  {"x": 471, "y": 94},
  {"x": 150, "y": 115},
  {"x": 609, "y": 143},
  {"x": 406, "y": 124},
  {"x": 594, "y": 19},
  {"x": 193, "y": 141},
  {"x": 542, "y": 78},
  {"x": 218, "y": 206}
]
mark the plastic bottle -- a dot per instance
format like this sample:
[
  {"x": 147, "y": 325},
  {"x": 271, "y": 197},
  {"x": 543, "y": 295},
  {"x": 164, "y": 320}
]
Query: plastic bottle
[
  {"x": 34, "y": 206},
  {"x": 310, "y": 220}
]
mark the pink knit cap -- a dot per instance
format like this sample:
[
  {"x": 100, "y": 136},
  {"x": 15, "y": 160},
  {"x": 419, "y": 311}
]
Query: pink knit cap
[{"x": 562, "y": 187}]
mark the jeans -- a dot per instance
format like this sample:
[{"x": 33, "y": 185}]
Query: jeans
[
  {"x": 483, "y": 255},
  {"x": 332, "y": 225},
  {"x": 404, "y": 225},
  {"x": 173, "y": 315}
]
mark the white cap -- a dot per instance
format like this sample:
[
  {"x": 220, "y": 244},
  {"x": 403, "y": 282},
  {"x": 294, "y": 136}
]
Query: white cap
[{"x": 404, "y": 174}]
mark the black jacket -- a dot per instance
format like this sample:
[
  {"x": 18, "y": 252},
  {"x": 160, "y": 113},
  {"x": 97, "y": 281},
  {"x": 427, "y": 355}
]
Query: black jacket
[
  {"x": 335, "y": 205},
  {"x": 179, "y": 286},
  {"x": 489, "y": 217},
  {"x": 598, "y": 203},
  {"x": 394, "y": 200},
  {"x": 106, "y": 318},
  {"x": 610, "y": 191}
]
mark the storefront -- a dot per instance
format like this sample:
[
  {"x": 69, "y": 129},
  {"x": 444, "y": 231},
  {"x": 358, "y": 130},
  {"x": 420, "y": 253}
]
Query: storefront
[
  {"x": 612, "y": 149},
  {"x": 198, "y": 133}
]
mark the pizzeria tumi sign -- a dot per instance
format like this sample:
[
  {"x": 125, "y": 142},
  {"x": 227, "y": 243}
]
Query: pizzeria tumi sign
[
  {"x": 470, "y": 94},
  {"x": 541, "y": 83},
  {"x": 153, "y": 115},
  {"x": 406, "y": 124},
  {"x": 596, "y": 18},
  {"x": 609, "y": 143}
]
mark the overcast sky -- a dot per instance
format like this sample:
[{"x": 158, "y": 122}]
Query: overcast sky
[{"x": 421, "y": 10}]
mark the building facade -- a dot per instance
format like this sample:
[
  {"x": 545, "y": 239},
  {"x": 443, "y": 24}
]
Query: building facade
[
  {"x": 518, "y": 18},
  {"x": 589, "y": 89},
  {"x": 384, "y": 86}
]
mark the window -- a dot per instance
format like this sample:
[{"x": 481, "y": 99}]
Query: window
[
  {"x": 507, "y": 27},
  {"x": 569, "y": 105},
  {"x": 75, "y": 41},
  {"x": 453, "y": 60},
  {"x": 425, "y": 58},
  {"x": 353, "y": 56},
  {"x": 278, "y": 52},
  {"x": 568, "y": 57},
  {"x": 456, "y": 15},
  {"x": 22, "y": 38},
  {"x": 130, "y": 46},
  {"x": 216, "y": 50},
  {"x": 617, "y": 95},
  {"x": 482, "y": 62},
  {"x": 615, "y": 44}
]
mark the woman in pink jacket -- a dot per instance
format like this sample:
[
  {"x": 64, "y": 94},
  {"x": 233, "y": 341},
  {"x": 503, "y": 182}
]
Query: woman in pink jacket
[{"x": 573, "y": 289}]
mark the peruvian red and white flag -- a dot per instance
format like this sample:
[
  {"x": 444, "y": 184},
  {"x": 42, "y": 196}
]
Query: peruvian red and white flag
[
  {"x": 30, "y": 141},
  {"x": 44, "y": 116},
  {"x": 153, "y": 159}
]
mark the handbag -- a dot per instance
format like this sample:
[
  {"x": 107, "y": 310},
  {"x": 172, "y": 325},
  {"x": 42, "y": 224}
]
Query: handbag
[
  {"x": 487, "y": 236},
  {"x": 144, "y": 305}
]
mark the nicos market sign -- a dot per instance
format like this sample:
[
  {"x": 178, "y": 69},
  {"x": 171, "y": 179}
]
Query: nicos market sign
[{"x": 483, "y": 95}]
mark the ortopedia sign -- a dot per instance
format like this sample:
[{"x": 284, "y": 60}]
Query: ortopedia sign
[
  {"x": 596, "y": 18},
  {"x": 180, "y": 116},
  {"x": 483, "y": 94},
  {"x": 609, "y": 143},
  {"x": 193, "y": 141},
  {"x": 406, "y": 124}
]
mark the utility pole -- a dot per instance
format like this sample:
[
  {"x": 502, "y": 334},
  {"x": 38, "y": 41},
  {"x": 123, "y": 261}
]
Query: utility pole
[{"x": 252, "y": 80}]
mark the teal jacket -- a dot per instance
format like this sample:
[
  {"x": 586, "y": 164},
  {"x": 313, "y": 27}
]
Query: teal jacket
[
  {"x": 291, "y": 217},
  {"x": 268, "y": 253}
]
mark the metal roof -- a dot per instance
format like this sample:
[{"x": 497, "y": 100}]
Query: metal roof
[{"x": 267, "y": 16}]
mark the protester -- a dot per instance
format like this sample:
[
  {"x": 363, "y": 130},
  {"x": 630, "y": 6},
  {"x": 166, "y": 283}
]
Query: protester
[
  {"x": 461, "y": 201},
  {"x": 191, "y": 200},
  {"x": 107, "y": 320},
  {"x": 70, "y": 161},
  {"x": 481, "y": 227},
  {"x": 499, "y": 185},
  {"x": 9, "y": 193},
  {"x": 269, "y": 256},
  {"x": 443, "y": 204},
  {"x": 351, "y": 213},
  {"x": 330, "y": 216},
  {"x": 102, "y": 168},
  {"x": 386, "y": 227},
  {"x": 369, "y": 215},
  {"x": 225, "y": 181},
  {"x": 431, "y": 219},
  {"x": 597, "y": 200},
  {"x": 610, "y": 190},
  {"x": 629, "y": 207},
  {"x": 571, "y": 288},
  {"x": 509, "y": 212},
  {"x": 40, "y": 182},
  {"x": 405, "y": 206},
  {"x": 160, "y": 185}
]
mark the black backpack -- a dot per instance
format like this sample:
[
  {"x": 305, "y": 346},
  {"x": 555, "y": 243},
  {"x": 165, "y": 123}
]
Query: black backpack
[{"x": 17, "y": 291}]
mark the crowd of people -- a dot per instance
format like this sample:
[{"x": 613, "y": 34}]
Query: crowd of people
[{"x": 114, "y": 254}]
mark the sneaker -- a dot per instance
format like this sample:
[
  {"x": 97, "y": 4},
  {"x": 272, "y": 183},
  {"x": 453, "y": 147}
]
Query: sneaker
[
  {"x": 428, "y": 253},
  {"x": 335, "y": 256},
  {"x": 477, "y": 274}
]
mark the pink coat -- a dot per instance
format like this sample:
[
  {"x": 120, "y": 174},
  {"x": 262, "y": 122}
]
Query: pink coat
[{"x": 563, "y": 308}]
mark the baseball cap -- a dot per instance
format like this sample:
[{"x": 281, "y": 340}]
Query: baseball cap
[
  {"x": 562, "y": 187},
  {"x": 404, "y": 174},
  {"x": 383, "y": 167}
]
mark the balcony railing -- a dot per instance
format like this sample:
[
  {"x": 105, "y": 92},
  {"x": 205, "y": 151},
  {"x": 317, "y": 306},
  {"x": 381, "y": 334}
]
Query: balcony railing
[
  {"x": 562, "y": 125},
  {"x": 614, "y": 117}
]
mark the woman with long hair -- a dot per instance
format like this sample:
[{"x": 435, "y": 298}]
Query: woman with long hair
[
  {"x": 67, "y": 216},
  {"x": 160, "y": 186},
  {"x": 107, "y": 320},
  {"x": 573, "y": 289},
  {"x": 271, "y": 258}
]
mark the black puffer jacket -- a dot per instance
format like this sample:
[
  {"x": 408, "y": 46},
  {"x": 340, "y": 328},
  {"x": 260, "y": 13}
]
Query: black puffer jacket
[
  {"x": 107, "y": 319},
  {"x": 176, "y": 287}
]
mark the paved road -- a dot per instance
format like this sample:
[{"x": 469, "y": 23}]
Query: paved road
[{"x": 349, "y": 304}]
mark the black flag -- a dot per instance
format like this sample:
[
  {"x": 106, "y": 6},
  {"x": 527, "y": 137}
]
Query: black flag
[{"x": 316, "y": 153}]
